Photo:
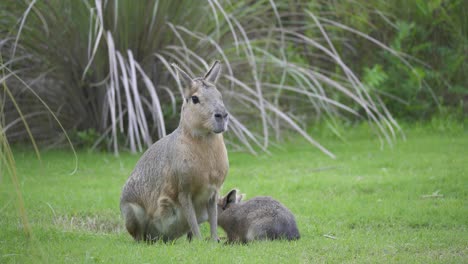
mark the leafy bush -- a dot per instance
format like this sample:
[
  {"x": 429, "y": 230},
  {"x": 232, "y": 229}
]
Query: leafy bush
[{"x": 431, "y": 35}]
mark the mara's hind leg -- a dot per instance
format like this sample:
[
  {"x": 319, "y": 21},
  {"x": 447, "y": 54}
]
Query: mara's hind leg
[{"x": 135, "y": 220}]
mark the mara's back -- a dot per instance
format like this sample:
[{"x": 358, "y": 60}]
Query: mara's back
[{"x": 151, "y": 172}]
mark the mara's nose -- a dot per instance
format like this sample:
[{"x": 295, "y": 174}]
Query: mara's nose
[{"x": 221, "y": 116}]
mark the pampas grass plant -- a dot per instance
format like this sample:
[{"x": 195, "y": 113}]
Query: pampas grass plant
[{"x": 105, "y": 65}]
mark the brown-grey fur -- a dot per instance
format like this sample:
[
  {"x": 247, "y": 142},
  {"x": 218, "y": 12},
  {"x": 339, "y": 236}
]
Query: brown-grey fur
[
  {"x": 259, "y": 218},
  {"x": 174, "y": 186}
]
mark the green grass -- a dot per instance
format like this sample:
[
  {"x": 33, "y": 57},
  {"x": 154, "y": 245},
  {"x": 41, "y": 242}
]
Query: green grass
[{"x": 371, "y": 200}]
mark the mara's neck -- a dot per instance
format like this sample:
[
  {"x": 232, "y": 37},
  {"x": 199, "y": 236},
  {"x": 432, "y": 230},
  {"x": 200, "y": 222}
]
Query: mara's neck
[{"x": 199, "y": 135}]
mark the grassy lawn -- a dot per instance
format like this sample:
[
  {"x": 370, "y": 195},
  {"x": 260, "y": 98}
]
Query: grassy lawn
[{"x": 403, "y": 204}]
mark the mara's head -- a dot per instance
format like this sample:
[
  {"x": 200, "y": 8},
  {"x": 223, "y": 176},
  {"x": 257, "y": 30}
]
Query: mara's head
[
  {"x": 203, "y": 109},
  {"x": 233, "y": 197}
]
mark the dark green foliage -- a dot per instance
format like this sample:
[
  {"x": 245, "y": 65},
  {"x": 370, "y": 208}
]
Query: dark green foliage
[{"x": 433, "y": 35}]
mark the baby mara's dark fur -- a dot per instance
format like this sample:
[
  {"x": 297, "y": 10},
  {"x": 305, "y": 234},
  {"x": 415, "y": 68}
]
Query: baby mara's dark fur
[{"x": 259, "y": 218}]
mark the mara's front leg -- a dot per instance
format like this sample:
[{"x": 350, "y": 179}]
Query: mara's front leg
[
  {"x": 212, "y": 209},
  {"x": 185, "y": 199}
]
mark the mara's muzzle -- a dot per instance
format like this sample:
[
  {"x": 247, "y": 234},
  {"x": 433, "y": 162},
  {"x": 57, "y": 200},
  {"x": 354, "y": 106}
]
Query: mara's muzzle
[{"x": 221, "y": 120}]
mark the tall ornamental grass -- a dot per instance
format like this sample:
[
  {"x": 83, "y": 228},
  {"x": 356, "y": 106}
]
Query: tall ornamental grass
[{"x": 104, "y": 66}]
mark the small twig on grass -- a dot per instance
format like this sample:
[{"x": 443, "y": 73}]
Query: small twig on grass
[
  {"x": 330, "y": 236},
  {"x": 433, "y": 195}
]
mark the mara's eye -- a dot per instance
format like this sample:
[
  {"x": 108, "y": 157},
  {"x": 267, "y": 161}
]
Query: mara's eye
[{"x": 195, "y": 100}]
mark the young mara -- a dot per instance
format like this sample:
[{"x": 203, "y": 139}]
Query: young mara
[
  {"x": 175, "y": 184},
  {"x": 256, "y": 219}
]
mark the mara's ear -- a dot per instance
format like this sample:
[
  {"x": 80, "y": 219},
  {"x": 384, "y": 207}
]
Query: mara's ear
[
  {"x": 230, "y": 198},
  {"x": 213, "y": 73},
  {"x": 185, "y": 80}
]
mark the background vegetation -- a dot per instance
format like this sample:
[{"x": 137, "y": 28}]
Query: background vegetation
[
  {"x": 96, "y": 75},
  {"x": 433, "y": 35},
  {"x": 103, "y": 66}
]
